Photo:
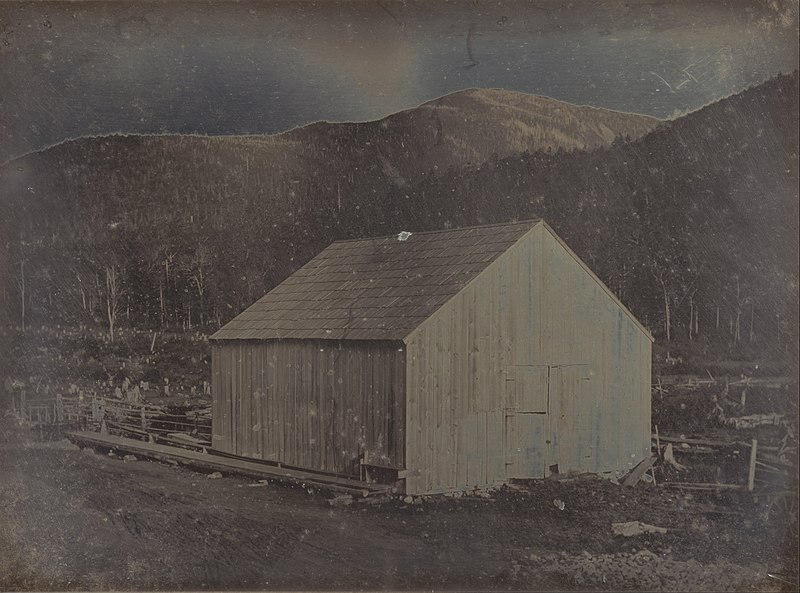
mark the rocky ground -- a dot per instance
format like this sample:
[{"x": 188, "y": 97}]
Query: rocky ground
[{"x": 76, "y": 520}]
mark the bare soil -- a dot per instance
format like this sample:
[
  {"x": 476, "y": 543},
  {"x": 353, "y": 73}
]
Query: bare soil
[{"x": 76, "y": 520}]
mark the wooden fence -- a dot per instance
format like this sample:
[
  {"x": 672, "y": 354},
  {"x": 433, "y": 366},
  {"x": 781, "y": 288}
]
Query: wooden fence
[{"x": 139, "y": 420}]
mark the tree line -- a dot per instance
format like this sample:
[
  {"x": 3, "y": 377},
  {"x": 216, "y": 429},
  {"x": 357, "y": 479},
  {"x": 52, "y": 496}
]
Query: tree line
[{"x": 691, "y": 225}]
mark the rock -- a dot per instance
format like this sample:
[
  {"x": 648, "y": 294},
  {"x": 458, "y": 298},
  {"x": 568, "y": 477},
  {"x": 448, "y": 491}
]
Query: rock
[
  {"x": 632, "y": 528},
  {"x": 214, "y": 476},
  {"x": 259, "y": 483},
  {"x": 408, "y": 499},
  {"x": 343, "y": 500},
  {"x": 129, "y": 458},
  {"x": 88, "y": 451}
]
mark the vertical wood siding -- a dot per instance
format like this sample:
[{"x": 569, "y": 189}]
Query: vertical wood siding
[
  {"x": 535, "y": 306},
  {"x": 310, "y": 403}
]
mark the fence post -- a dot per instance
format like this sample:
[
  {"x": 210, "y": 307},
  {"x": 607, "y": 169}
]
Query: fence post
[
  {"x": 751, "y": 476},
  {"x": 102, "y": 412}
]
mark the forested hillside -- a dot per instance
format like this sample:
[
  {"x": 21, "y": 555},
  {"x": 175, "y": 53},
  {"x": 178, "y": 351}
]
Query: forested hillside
[
  {"x": 189, "y": 229},
  {"x": 692, "y": 224}
]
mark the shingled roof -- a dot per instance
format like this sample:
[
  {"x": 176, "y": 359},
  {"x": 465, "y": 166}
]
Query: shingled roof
[{"x": 374, "y": 289}]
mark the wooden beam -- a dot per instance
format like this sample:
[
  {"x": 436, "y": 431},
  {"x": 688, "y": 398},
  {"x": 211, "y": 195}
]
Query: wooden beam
[
  {"x": 638, "y": 471},
  {"x": 701, "y": 486},
  {"x": 707, "y": 443},
  {"x": 231, "y": 465}
]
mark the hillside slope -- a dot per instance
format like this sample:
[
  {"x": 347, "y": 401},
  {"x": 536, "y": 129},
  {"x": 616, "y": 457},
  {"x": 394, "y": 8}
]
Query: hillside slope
[
  {"x": 695, "y": 220},
  {"x": 159, "y": 194},
  {"x": 464, "y": 128},
  {"x": 469, "y": 127}
]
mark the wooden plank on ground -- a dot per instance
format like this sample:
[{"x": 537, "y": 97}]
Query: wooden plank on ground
[
  {"x": 206, "y": 461},
  {"x": 701, "y": 486},
  {"x": 638, "y": 471}
]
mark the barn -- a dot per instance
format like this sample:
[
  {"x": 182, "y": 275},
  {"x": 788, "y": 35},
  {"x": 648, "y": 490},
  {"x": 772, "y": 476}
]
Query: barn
[{"x": 446, "y": 360}]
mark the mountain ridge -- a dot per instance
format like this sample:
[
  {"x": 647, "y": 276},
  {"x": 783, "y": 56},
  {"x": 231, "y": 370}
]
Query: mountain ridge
[
  {"x": 469, "y": 90},
  {"x": 647, "y": 122},
  {"x": 243, "y": 218}
]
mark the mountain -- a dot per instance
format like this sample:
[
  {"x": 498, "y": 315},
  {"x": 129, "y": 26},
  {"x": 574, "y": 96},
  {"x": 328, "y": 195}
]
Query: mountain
[
  {"x": 469, "y": 127},
  {"x": 694, "y": 225},
  {"x": 464, "y": 128},
  {"x": 687, "y": 220},
  {"x": 168, "y": 191}
]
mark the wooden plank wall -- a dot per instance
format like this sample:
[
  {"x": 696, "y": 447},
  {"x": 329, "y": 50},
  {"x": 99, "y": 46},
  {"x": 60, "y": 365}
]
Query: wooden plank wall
[
  {"x": 456, "y": 375},
  {"x": 310, "y": 403},
  {"x": 535, "y": 305},
  {"x": 600, "y": 383}
]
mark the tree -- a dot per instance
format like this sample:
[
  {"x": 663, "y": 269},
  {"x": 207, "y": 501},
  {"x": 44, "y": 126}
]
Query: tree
[
  {"x": 21, "y": 286},
  {"x": 113, "y": 296},
  {"x": 199, "y": 264}
]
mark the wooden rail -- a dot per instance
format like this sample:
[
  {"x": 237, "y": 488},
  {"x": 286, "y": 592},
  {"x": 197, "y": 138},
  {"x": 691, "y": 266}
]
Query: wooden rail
[
  {"x": 132, "y": 418},
  {"x": 230, "y": 465}
]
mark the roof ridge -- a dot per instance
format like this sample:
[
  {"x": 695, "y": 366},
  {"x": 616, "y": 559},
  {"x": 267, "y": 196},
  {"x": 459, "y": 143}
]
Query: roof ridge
[{"x": 531, "y": 221}]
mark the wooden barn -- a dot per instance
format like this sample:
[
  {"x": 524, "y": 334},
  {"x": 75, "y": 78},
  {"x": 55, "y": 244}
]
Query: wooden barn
[{"x": 448, "y": 359}]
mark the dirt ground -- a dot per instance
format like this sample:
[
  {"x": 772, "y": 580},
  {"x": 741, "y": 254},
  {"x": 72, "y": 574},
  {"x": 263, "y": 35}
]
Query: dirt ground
[{"x": 77, "y": 520}]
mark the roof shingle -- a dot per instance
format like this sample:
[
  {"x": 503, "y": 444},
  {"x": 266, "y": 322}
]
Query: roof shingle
[{"x": 368, "y": 289}]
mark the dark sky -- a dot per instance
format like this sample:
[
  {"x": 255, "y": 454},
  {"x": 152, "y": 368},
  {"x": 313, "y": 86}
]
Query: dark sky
[{"x": 69, "y": 69}]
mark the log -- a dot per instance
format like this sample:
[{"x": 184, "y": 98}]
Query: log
[
  {"x": 773, "y": 459},
  {"x": 707, "y": 443},
  {"x": 771, "y": 470},
  {"x": 694, "y": 450},
  {"x": 701, "y": 486},
  {"x": 710, "y": 443}
]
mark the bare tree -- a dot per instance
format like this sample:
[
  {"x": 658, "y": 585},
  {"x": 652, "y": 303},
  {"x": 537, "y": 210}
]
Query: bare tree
[
  {"x": 199, "y": 264},
  {"x": 114, "y": 292},
  {"x": 663, "y": 283},
  {"x": 21, "y": 285}
]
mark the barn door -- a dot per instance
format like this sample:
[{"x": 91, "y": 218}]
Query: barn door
[
  {"x": 571, "y": 426},
  {"x": 527, "y": 424}
]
